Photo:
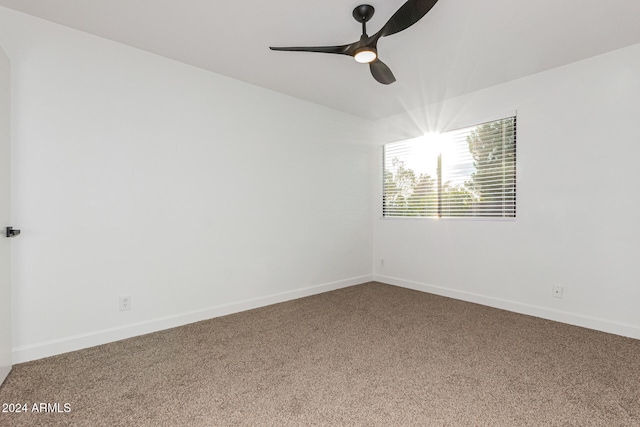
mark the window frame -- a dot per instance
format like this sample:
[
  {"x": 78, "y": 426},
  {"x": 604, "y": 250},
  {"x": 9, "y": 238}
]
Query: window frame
[{"x": 508, "y": 194}]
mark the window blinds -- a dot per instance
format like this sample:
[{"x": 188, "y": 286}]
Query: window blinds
[{"x": 468, "y": 172}]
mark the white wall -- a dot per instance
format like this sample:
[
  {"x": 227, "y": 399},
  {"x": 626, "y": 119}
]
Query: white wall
[
  {"x": 577, "y": 201},
  {"x": 196, "y": 194}
]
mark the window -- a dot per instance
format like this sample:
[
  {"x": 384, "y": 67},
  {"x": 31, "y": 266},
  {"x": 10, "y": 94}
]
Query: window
[{"x": 468, "y": 173}]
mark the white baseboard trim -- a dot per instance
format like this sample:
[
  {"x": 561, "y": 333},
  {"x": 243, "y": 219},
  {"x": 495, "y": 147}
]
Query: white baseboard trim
[
  {"x": 79, "y": 342},
  {"x": 4, "y": 371},
  {"x": 589, "y": 322}
]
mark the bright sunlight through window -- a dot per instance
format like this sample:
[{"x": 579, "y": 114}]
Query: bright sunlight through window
[{"x": 469, "y": 173}]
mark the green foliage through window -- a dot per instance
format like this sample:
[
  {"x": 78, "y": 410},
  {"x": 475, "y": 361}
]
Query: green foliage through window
[{"x": 469, "y": 172}]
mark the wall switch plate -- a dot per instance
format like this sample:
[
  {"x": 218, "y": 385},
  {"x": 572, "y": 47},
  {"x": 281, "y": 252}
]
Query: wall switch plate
[
  {"x": 557, "y": 291},
  {"x": 125, "y": 303}
]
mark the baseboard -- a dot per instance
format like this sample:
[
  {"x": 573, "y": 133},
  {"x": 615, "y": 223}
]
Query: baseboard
[
  {"x": 79, "y": 342},
  {"x": 603, "y": 325},
  {"x": 4, "y": 371}
]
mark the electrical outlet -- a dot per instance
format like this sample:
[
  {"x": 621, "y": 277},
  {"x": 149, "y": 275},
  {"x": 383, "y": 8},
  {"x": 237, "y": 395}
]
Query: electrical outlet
[
  {"x": 382, "y": 263},
  {"x": 557, "y": 291},
  {"x": 125, "y": 303}
]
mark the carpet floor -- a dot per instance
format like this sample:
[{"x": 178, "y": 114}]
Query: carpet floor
[{"x": 369, "y": 355}]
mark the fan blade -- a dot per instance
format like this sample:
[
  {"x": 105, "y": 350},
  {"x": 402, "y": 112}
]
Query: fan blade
[
  {"x": 381, "y": 72},
  {"x": 408, "y": 14},
  {"x": 342, "y": 50}
]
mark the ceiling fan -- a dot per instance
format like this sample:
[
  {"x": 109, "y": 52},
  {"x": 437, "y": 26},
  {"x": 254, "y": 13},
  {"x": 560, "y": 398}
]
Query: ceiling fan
[{"x": 365, "y": 50}]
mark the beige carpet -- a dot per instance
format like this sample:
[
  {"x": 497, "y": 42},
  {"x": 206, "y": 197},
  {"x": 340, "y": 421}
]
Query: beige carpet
[{"x": 367, "y": 355}]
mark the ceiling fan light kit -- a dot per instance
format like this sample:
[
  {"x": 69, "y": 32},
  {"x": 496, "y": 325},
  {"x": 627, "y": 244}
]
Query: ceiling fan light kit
[
  {"x": 364, "y": 55},
  {"x": 365, "y": 50}
]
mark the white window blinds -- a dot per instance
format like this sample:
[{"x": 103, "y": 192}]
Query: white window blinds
[{"x": 468, "y": 172}]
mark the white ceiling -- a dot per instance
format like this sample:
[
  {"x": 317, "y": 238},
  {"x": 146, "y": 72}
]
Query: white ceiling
[{"x": 458, "y": 47}]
